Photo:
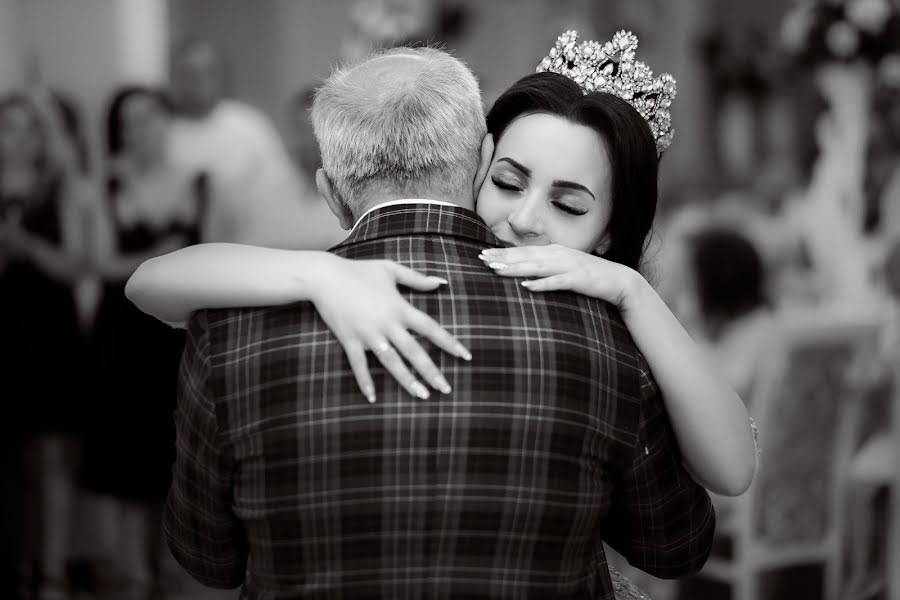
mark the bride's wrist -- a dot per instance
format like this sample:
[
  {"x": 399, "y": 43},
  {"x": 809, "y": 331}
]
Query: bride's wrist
[
  {"x": 633, "y": 290},
  {"x": 310, "y": 277}
]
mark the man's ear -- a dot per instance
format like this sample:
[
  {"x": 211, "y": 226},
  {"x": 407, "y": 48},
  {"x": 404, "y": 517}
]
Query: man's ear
[
  {"x": 340, "y": 210},
  {"x": 484, "y": 164}
]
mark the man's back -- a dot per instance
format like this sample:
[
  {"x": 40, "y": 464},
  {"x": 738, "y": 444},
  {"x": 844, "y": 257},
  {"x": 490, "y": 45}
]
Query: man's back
[{"x": 553, "y": 439}]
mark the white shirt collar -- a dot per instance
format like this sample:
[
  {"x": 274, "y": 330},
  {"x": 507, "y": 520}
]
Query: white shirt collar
[{"x": 403, "y": 201}]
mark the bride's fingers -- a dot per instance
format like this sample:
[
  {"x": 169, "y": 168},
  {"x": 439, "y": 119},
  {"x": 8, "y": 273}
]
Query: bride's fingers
[
  {"x": 519, "y": 253},
  {"x": 414, "y": 279},
  {"x": 356, "y": 354},
  {"x": 427, "y": 327},
  {"x": 388, "y": 357},
  {"x": 419, "y": 359},
  {"x": 523, "y": 269},
  {"x": 561, "y": 281}
]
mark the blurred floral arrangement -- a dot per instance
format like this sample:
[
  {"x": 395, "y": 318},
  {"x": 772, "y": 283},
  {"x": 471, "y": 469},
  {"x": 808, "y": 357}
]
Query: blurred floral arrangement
[{"x": 826, "y": 31}]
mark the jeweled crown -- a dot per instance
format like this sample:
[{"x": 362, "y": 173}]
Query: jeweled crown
[{"x": 611, "y": 68}]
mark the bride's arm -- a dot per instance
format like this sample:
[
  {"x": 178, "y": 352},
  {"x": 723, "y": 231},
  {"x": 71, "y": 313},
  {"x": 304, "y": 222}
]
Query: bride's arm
[
  {"x": 710, "y": 420},
  {"x": 357, "y": 299},
  {"x": 172, "y": 286}
]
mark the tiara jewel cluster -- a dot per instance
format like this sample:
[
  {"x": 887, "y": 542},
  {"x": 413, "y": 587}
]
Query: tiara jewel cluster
[{"x": 612, "y": 68}]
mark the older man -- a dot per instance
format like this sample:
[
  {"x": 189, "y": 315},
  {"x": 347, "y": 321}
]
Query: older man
[{"x": 288, "y": 484}]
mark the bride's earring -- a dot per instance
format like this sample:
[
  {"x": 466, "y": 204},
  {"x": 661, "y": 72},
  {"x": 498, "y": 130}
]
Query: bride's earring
[{"x": 602, "y": 246}]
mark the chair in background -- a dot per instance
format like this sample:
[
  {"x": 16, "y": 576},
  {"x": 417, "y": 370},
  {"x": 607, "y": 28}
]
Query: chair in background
[
  {"x": 806, "y": 404},
  {"x": 876, "y": 467}
]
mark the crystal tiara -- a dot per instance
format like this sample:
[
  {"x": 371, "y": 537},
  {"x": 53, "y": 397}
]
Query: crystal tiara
[{"x": 611, "y": 68}]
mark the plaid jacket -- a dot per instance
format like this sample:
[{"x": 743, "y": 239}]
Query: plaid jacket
[{"x": 553, "y": 440}]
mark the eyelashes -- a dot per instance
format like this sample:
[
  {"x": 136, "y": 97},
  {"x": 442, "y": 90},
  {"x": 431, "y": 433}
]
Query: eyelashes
[
  {"x": 569, "y": 209},
  {"x": 503, "y": 185},
  {"x": 512, "y": 187}
]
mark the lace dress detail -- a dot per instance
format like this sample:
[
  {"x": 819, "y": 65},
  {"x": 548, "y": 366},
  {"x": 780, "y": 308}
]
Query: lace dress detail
[
  {"x": 625, "y": 589},
  {"x": 755, "y": 437}
]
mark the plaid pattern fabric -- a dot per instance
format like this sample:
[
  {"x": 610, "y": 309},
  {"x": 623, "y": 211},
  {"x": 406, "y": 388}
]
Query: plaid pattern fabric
[{"x": 554, "y": 438}]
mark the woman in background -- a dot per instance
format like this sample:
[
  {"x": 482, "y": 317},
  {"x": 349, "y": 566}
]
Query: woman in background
[
  {"x": 732, "y": 309},
  {"x": 151, "y": 207},
  {"x": 41, "y": 257}
]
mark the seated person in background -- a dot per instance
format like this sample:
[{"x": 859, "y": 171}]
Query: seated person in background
[{"x": 731, "y": 308}]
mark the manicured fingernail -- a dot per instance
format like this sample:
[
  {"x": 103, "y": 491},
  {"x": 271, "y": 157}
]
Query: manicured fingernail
[
  {"x": 369, "y": 393},
  {"x": 489, "y": 251},
  {"x": 484, "y": 258},
  {"x": 497, "y": 266},
  {"x": 439, "y": 280},
  {"x": 527, "y": 283},
  {"x": 463, "y": 353},
  {"x": 420, "y": 390},
  {"x": 441, "y": 384}
]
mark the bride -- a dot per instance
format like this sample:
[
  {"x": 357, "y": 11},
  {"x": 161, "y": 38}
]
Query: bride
[{"x": 555, "y": 185}]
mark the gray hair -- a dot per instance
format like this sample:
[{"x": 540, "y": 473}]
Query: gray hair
[{"x": 412, "y": 132}]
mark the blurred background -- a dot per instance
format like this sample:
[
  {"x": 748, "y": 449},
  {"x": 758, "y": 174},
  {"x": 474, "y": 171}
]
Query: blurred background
[{"x": 130, "y": 128}]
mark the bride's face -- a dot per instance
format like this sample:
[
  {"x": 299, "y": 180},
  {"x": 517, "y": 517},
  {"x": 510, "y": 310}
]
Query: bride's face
[{"x": 549, "y": 182}]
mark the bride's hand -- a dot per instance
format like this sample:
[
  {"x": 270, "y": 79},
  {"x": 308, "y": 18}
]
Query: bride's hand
[
  {"x": 560, "y": 268},
  {"x": 360, "y": 303}
]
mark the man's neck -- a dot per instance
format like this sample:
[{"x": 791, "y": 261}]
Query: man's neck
[
  {"x": 379, "y": 199},
  {"x": 373, "y": 205}
]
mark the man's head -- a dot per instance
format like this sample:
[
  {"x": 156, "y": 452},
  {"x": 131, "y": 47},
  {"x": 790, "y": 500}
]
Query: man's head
[
  {"x": 402, "y": 123},
  {"x": 197, "y": 77}
]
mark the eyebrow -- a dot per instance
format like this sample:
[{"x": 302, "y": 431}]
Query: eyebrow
[
  {"x": 573, "y": 186},
  {"x": 517, "y": 165},
  {"x": 557, "y": 183}
]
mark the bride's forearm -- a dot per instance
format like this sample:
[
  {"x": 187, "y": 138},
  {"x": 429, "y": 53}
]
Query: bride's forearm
[
  {"x": 709, "y": 418},
  {"x": 172, "y": 286}
]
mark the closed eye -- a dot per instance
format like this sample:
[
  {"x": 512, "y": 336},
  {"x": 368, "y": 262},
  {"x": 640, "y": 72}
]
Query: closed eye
[
  {"x": 505, "y": 185},
  {"x": 569, "y": 209}
]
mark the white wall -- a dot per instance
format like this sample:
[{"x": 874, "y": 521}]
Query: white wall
[{"x": 11, "y": 67}]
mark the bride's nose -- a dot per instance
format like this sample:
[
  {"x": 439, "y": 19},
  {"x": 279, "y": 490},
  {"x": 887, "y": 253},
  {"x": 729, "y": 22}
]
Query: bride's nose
[{"x": 525, "y": 220}]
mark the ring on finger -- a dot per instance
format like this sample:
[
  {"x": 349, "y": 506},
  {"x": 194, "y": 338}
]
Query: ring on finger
[{"x": 381, "y": 347}]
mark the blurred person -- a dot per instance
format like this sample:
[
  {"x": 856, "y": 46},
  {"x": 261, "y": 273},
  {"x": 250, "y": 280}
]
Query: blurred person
[
  {"x": 883, "y": 164},
  {"x": 41, "y": 257},
  {"x": 152, "y": 206},
  {"x": 255, "y": 195},
  {"x": 731, "y": 307}
]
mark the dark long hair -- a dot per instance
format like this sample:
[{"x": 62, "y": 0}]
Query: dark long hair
[
  {"x": 115, "y": 139},
  {"x": 629, "y": 144},
  {"x": 730, "y": 274}
]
